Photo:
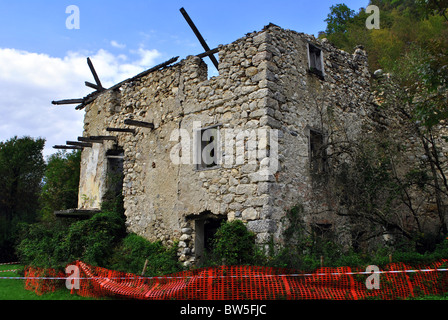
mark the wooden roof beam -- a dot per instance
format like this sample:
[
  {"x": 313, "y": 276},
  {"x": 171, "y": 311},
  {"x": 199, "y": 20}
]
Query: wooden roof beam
[
  {"x": 199, "y": 36},
  {"x": 95, "y": 76}
]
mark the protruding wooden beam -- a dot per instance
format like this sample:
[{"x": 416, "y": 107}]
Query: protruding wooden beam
[
  {"x": 139, "y": 123},
  {"x": 93, "y": 86},
  {"x": 76, "y": 213},
  {"x": 68, "y": 101},
  {"x": 198, "y": 35},
  {"x": 67, "y": 147},
  {"x": 102, "y": 138},
  {"x": 88, "y": 140},
  {"x": 80, "y": 144},
  {"x": 95, "y": 75},
  {"x": 121, "y": 130}
]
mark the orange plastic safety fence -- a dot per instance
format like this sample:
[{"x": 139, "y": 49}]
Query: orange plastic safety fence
[
  {"x": 42, "y": 280},
  {"x": 396, "y": 281}
]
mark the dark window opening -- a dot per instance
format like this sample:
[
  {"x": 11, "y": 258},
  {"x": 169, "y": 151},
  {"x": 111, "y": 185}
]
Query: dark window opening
[
  {"x": 318, "y": 154},
  {"x": 315, "y": 60},
  {"x": 208, "y": 146}
]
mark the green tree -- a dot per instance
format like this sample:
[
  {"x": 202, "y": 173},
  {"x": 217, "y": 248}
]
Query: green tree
[
  {"x": 339, "y": 19},
  {"x": 431, "y": 7},
  {"x": 61, "y": 181},
  {"x": 21, "y": 170}
]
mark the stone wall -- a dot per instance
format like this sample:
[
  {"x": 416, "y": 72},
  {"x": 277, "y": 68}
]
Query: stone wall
[{"x": 264, "y": 102}]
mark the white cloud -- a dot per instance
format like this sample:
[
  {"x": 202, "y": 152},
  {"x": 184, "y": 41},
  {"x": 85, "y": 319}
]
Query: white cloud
[
  {"x": 147, "y": 57},
  {"x": 115, "y": 44},
  {"x": 30, "y": 81}
]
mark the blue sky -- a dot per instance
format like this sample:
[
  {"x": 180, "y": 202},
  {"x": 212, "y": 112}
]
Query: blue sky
[{"x": 41, "y": 60}]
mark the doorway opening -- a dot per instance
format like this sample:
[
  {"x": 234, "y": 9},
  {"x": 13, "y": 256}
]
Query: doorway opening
[
  {"x": 115, "y": 174},
  {"x": 206, "y": 225}
]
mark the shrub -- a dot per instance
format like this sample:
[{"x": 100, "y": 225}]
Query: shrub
[
  {"x": 40, "y": 244},
  {"x": 94, "y": 239},
  {"x": 234, "y": 245},
  {"x": 131, "y": 254},
  {"x": 54, "y": 244}
]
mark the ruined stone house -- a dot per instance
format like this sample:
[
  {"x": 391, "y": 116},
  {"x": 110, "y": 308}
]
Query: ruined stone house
[{"x": 195, "y": 150}]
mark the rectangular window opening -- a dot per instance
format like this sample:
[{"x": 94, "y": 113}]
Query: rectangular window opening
[
  {"x": 315, "y": 62},
  {"x": 208, "y": 146}
]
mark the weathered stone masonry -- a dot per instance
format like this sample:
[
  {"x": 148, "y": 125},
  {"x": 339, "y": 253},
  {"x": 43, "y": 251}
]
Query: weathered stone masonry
[{"x": 265, "y": 83}]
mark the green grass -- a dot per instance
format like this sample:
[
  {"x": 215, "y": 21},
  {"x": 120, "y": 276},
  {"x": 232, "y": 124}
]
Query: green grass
[{"x": 14, "y": 289}]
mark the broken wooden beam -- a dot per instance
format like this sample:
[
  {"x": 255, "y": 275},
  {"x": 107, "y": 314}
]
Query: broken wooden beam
[
  {"x": 80, "y": 144},
  {"x": 198, "y": 35},
  {"x": 68, "y": 101},
  {"x": 95, "y": 75},
  {"x": 88, "y": 99},
  {"x": 67, "y": 147},
  {"x": 92, "y": 85},
  {"x": 208, "y": 53},
  {"x": 146, "y": 72},
  {"x": 139, "y": 123},
  {"x": 92, "y": 96},
  {"x": 121, "y": 130}
]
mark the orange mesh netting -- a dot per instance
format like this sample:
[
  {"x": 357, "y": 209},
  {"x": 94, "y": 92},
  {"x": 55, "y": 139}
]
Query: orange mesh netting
[
  {"x": 42, "y": 280},
  {"x": 397, "y": 281}
]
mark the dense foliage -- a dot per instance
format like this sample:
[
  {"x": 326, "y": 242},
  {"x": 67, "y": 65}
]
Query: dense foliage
[
  {"x": 60, "y": 184},
  {"x": 411, "y": 49},
  {"x": 21, "y": 170}
]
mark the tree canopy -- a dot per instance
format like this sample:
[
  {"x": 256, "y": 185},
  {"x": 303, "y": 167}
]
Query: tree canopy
[{"x": 21, "y": 171}]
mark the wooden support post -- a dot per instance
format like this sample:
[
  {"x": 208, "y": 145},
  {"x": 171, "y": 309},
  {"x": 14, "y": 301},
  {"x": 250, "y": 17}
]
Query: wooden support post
[
  {"x": 144, "y": 267},
  {"x": 321, "y": 261},
  {"x": 198, "y": 35},
  {"x": 139, "y": 123}
]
